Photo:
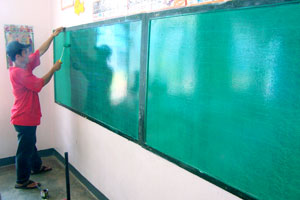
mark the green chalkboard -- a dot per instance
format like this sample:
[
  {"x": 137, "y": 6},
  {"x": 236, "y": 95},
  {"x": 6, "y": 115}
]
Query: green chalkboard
[
  {"x": 99, "y": 77},
  {"x": 224, "y": 96}
]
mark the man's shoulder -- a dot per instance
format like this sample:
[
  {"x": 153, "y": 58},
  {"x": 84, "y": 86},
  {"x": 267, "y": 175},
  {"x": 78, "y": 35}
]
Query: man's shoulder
[
  {"x": 34, "y": 60},
  {"x": 35, "y": 54}
]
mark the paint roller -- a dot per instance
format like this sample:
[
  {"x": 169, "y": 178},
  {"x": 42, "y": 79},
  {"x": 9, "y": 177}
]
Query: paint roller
[{"x": 65, "y": 46}]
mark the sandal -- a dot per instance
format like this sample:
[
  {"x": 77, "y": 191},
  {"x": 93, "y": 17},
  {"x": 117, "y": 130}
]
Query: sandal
[
  {"x": 28, "y": 185},
  {"x": 43, "y": 169}
]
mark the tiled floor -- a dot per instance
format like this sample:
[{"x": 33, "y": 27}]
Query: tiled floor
[{"x": 54, "y": 181}]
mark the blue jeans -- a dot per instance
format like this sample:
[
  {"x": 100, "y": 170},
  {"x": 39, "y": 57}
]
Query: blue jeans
[{"x": 27, "y": 157}]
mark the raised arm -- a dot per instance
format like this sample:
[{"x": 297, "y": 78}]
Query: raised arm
[{"x": 47, "y": 43}]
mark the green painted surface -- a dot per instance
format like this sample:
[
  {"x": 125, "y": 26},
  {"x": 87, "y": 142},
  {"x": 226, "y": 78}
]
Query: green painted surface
[
  {"x": 224, "y": 96},
  {"x": 100, "y": 74},
  {"x": 62, "y": 77}
]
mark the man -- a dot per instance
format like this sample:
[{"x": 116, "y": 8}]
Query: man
[{"x": 26, "y": 112}]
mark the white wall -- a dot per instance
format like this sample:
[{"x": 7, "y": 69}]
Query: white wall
[
  {"x": 37, "y": 14},
  {"x": 120, "y": 169}
]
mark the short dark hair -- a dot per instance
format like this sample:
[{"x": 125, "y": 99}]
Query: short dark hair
[{"x": 15, "y": 48}]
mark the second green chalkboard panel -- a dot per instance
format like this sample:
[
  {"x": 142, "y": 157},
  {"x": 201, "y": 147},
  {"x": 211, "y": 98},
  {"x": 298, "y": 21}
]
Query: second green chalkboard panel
[{"x": 223, "y": 96}]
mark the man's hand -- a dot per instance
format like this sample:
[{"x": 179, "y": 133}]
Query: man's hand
[
  {"x": 47, "y": 77},
  {"x": 58, "y": 30},
  {"x": 57, "y": 65}
]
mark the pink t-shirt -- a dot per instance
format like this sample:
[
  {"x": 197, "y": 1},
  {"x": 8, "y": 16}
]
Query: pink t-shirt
[{"x": 26, "y": 110}]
